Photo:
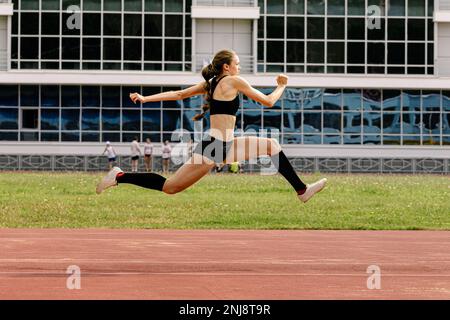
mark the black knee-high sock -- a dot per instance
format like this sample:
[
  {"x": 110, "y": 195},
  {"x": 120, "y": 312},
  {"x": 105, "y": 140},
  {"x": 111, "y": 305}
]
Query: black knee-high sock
[
  {"x": 145, "y": 180},
  {"x": 284, "y": 167}
]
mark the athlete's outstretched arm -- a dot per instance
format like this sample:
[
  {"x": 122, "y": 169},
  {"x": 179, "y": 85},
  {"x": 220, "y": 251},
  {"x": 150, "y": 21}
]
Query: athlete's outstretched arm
[
  {"x": 267, "y": 100},
  {"x": 170, "y": 95}
]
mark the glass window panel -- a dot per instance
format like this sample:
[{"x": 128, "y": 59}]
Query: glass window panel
[
  {"x": 91, "y": 96},
  {"x": 355, "y": 29},
  {"x": 90, "y": 119},
  {"x": 272, "y": 120},
  {"x": 171, "y": 120},
  {"x": 416, "y": 29},
  {"x": 396, "y": 29},
  {"x": 29, "y": 23},
  {"x": 446, "y": 123},
  {"x": 151, "y": 120},
  {"x": 112, "y": 5},
  {"x": 174, "y": 6},
  {"x": 15, "y": 23},
  {"x": 316, "y": 7},
  {"x": 110, "y": 97},
  {"x": 112, "y": 24},
  {"x": 70, "y": 49},
  {"x": 174, "y": 26},
  {"x": 132, "y": 49},
  {"x": 91, "y": 24},
  {"x": 275, "y": 51},
  {"x": 275, "y": 27},
  {"x": 70, "y": 96},
  {"x": 91, "y": 48},
  {"x": 29, "y": 136},
  {"x": 332, "y": 122},
  {"x": 295, "y": 28},
  {"x": 312, "y": 139},
  {"x": 332, "y": 99},
  {"x": 431, "y": 101},
  {"x": 292, "y": 121},
  {"x": 372, "y": 139},
  {"x": 9, "y": 118},
  {"x": 375, "y": 53},
  {"x": 126, "y": 101},
  {"x": 315, "y": 53},
  {"x": 295, "y": 51},
  {"x": 396, "y": 8},
  {"x": 153, "y": 5},
  {"x": 70, "y": 136},
  {"x": 153, "y": 25},
  {"x": 416, "y": 53},
  {"x": 111, "y": 136},
  {"x": 316, "y": 28},
  {"x": 275, "y": 6},
  {"x": 252, "y": 120},
  {"x": 261, "y": 27},
  {"x": 112, "y": 49},
  {"x": 396, "y": 53},
  {"x": 377, "y": 34},
  {"x": 50, "y": 136},
  {"x": 431, "y": 140},
  {"x": 153, "y": 50},
  {"x": 29, "y": 5},
  {"x": 431, "y": 123},
  {"x": 133, "y": 5},
  {"x": 148, "y": 91},
  {"x": 132, "y": 25},
  {"x": 50, "y": 96},
  {"x": 8, "y": 136},
  {"x": 391, "y": 122},
  {"x": 446, "y": 101},
  {"x": 29, "y": 48},
  {"x": 131, "y": 120},
  {"x": 356, "y": 52},
  {"x": 411, "y": 100},
  {"x": 69, "y": 21},
  {"x": 49, "y": 48},
  {"x": 312, "y": 122},
  {"x": 70, "y": 119},
  {"x": 430, "y": 30},
  {"x": 372, "y": 122},
  {"x": 50, "y": 119},
  {"x": 356, "y": 7},
  {"x": 90, "y": 137},
  {"x": 336, "y": 28},
  {"x": 92, "y": 5},
  {"x": 416, "y": 7},
  {"x": 336, "y": 52},
  {"x": 175, "y": 52},
  {"x": 411, "y": 123},
  {"x": 352, "y": 122},
  {"x": 29, "y": 96},
  {"x": 352, "y": 99},
  {"x": 391, "y": 100},
  {"x": 336, "y": 7},
  {"x": 110, "y": 120},
  {"x": 50, "y": 23},
  {"x": 9, "y": 95},
  {"x": 295, "y": 7},
  {"x": 312, "y": 99}
]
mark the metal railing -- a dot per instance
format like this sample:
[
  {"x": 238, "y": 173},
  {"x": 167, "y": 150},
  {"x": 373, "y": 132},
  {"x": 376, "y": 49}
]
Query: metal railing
[
  {"x": 202, "y": 60},
  {"x": 443, "y": 5},
  {"x": 225, "y": 3}
]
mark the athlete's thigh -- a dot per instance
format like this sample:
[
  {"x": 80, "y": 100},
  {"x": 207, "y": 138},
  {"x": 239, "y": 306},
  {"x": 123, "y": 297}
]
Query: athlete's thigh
[
  {"x": 190, "y": 172},
  {"x": 245, "y": 148}
]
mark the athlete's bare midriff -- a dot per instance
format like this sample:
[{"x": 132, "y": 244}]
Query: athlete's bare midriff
[{"x": 222, "y": 125}]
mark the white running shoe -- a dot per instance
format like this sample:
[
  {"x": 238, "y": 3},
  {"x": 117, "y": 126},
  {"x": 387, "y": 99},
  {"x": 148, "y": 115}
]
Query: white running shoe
[
  {"x": 109, "y": 180},
  {"x": 312, "y": 189}
]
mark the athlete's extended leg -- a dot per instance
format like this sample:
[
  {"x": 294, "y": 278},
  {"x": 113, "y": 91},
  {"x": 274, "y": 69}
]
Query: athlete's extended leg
[{"x": 245, "y": 148}]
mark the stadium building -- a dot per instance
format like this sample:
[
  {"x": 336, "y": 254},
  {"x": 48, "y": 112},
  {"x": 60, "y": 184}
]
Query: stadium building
[{"x": 369, "y": 86}]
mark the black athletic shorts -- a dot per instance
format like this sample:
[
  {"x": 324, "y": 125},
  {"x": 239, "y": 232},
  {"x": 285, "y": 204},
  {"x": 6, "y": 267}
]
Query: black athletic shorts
[
  {"x": 214, "y": 149},
  {"x": 135, "y": 158}
]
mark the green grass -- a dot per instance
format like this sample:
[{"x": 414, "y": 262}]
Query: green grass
[{"x": 226, "y": 201}]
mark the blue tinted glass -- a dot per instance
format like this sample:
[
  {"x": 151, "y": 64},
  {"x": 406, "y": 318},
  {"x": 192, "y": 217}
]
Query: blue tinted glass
[
  {"x": 90, "y": 137},
  {"x": 292, "y": 139},
  {"x": 193, "y": 102},
  {"x": 50, "y": 96},
  {"x": 352, "y": 122},
  {"x": 332, "y": 139},
  {"x": 292, "y": 122},
  {"x": 70, "y": 136},
  {"x": 411, "y": 123},
  {"x": 171, "y": 104},
  {"x": 312, "y": 139},
  {"x": 446, "y": 101},
  {"x": 8, "y": 118},
  {"x": 50, "y": 119},
  {"x": 111, "y": 136},
  {"x": 111, "y": 120},
  {"x": 90, "y": 120},
  {"x": 49, "y": 136},
  {"x": 148, "y": 91},
  {"x": 431, "y": 140},
  {"x": 371, "y": 99},
  {"x": 272, "y": 120},
  {"x": 312, "y": 122},
  {"x": 189, "y": 124},
  {"x": 332, "y": 99},
  {"x": 391, "y": 122},
  {"x": 151, "y": 120},
  {"x": 332, "y": 122},
  {"x": 9, "y": 96},
  {"x": 352, "y": 99},
  {"x": 111, "y": 97},
  {"x": 126, "y": 101},
  {"x": 8, "y": 136},
  {"x": 446, "y": 123},
  {"x": 352, "y": 139},
  {"x": 70, "y": 119},
  {"x": 29, "y": 96},
  {"x": 171, "y": 120},
  {"x": 293, "y": 99},
  {"x": 431, "y": 123},
  {"x": 411, "y": 100},
  {"x": 252, "y": 121},
  {"x": 70, "y": 96},
  {"x": 372, "y": 139},
  {"x": 391, "y": 100},
  {"x": 250, "y": 103},
  {"x": 372, "y": 122},
  {"x": 91, "y": 96},
  {"x": 312, "y": 99},
  {"x": 131, "y": 120},
  {"x": 431, "y": 101}
]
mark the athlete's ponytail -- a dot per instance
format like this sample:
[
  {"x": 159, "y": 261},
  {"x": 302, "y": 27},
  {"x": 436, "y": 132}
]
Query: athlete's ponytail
[{"x": 212, "y": 70}]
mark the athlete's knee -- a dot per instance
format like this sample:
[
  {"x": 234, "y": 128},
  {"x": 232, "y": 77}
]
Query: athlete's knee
[{"x": 274, "y": 146}]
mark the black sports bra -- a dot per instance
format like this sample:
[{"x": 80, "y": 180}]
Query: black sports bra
[{"x": 221, "y": 106}]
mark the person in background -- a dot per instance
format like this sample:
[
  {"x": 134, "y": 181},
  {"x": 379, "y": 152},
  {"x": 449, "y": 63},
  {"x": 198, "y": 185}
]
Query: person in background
[
  {"x": 135, "y": 153},
  {"x": 111, "y": 153},
  {"x": 148, "y": 152},
  {"x": 166, "y": 153}
]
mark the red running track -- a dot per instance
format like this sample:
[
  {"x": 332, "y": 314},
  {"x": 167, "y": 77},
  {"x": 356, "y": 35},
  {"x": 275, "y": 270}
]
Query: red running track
[{"x": 223, "y": 264}]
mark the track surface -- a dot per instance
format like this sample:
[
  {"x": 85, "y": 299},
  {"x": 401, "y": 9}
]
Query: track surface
[{"x": 223, "y": 264}]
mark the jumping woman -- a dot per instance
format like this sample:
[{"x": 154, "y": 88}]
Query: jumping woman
[{"x": 222, "y": 86}]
